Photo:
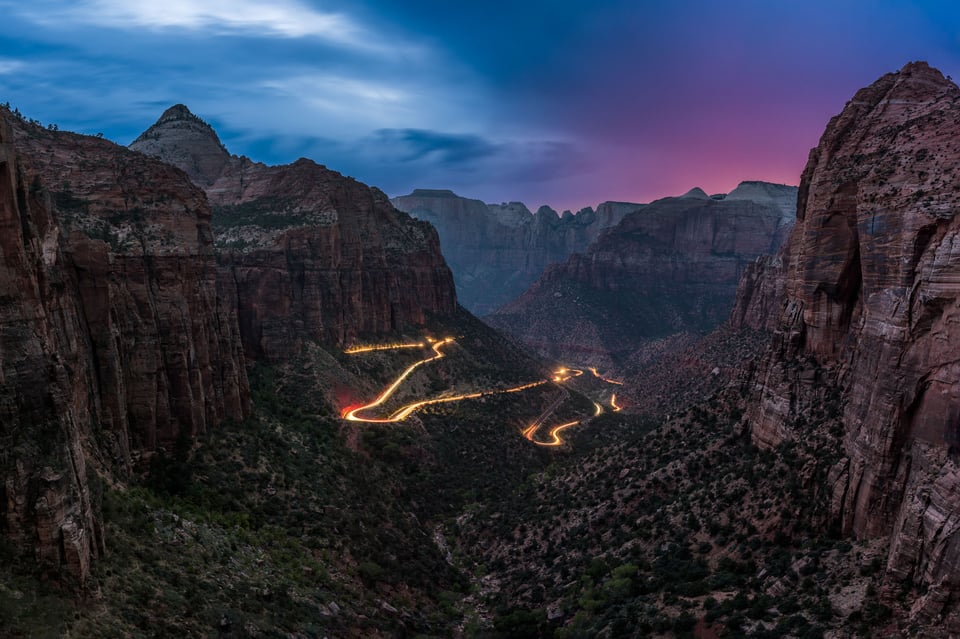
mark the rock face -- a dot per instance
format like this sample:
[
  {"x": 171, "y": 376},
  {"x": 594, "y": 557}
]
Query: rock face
[
  {"x": 871, "y": 284},
  {"x": 497, "y": 250},
  {"x": 112, "y": 338},
  {"x": 671, "y": 267},
  {"x": 311, "y": 254}
]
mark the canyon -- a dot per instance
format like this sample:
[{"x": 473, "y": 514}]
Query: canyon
[
  {"x": 497, "y": 250},
  {"x": 257, "y": 379},
  {"x": 662, "y": 276}
]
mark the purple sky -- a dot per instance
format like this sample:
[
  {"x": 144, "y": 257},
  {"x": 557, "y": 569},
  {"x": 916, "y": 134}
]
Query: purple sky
[{"x": 548, "y": 102}]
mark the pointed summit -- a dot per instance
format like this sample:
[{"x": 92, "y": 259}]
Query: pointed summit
[
  {"x": 184, "y": 140},
  {"x": 178, "y": 112},
  {"x": 696, "y": 193}
]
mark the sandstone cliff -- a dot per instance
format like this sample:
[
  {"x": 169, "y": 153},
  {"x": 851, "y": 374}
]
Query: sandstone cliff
[
  {"x": 311, "y": 254},
  {"x": 868, "y": 288},
  {"x": 669, "y": 268},
  {"x": 112, "y": 339},
  {"x": 497, "y": 250}
]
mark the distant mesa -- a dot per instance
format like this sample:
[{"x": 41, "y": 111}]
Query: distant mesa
[
  {"x": 497, "y": 250},
  {"x": 667, "y": 269},
  {"x": 433, "y": 193}
]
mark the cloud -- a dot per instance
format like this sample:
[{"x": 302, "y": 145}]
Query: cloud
[
  {"x": 351, "y": 98},
  {"x": 279, "y": 18},
  {"x": 450, "y": 149},
  {"x": 8, "y": 66}
]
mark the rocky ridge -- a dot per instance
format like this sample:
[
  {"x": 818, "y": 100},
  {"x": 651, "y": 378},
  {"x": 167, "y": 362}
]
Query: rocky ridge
[
  {"x": 864, "y": 298},
  {"x": 313, "y": 255},
  {"x": 670, "y": 268},
  {"x": 497, "y": 250}
]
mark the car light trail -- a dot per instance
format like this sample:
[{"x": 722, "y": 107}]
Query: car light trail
[
  {"x": 354, "y": 413},
  {"x": 405, "y": 411},
  {"x": 385, "y": 395},
  {"x": 554, "y": 433},
  {"x": 382, "y": 347},
  {"x": 606, "y": 379}
]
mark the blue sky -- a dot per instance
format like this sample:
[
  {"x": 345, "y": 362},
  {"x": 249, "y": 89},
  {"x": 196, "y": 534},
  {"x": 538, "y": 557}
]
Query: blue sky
[{"x": 561, "y": 103}]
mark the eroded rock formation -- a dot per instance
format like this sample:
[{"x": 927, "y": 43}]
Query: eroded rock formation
[
  {"x": 497, "y": 250},
  {"x": 671, "y": 267},
  {"x": 871, "y": 284},
  {"x": 112, "y": 339},
  {"x": 311, "y": 254}
]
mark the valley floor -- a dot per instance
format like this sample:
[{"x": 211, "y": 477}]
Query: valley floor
[{"x": 450, "y": 521}]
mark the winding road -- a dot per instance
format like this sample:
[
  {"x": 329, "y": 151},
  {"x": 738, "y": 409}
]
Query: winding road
[{"x": 561, "y": 375}]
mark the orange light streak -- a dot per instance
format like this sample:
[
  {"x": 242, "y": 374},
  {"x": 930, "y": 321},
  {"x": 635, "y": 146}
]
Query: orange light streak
[
  {"x": 563, "y": 374},
  {"x": 407, "y": 410},
  {"x": 351, "y": 413},
  {"x": 554, "y": 433},
  {"x": 385, "y": 395},
  {"x": 382, "y": 347},
  {"x": 606, "y": 379},
  {"x": 613, "y": 404}
]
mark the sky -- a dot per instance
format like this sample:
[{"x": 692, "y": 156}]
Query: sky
[{"x": 542, "y": 101}]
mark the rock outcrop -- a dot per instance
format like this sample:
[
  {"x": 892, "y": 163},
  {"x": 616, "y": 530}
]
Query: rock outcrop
[
  {"x": 311, "y": 254},
  {"x": 497, "y": 250},
  {"x": 112, "y": 338},
  {"x": 671, "y": 267},
  {"x": 871, "y": 305}
]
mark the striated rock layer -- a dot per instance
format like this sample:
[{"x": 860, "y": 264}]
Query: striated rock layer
[
  {"x": 868, "y": 288},
  {"x": 497, "y": 250},
  {"x": 112, "y": 339},
  {"x": 311, "y": 254},
  {"x": 671, "y": 267}
]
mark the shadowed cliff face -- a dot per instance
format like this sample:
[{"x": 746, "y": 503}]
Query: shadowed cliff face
[
  {"x": 669, "y": 268},
  {"x": 312, "y": 255},
  {"x": 112, "y": 339},
  {"x": 868, "y": 289},
  {"x": 497, "y": 250}
]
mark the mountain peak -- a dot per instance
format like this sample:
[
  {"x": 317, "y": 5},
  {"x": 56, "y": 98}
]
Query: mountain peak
[
  {"x": 696, "y": 193},
  {"x": 178, "y": 112},
  {"x": 186, "y": 141}
]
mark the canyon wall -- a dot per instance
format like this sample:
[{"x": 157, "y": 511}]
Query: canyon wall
[
  {"x": 312, "y": 255},
  {"x": 864, "y": 298},
  {"x": 112, "y": 338},
  {"x": 497, "y": 250}
]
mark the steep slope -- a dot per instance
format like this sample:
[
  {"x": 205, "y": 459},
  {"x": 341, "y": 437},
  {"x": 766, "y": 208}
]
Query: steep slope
[
  {"x": 314, "y": 255},
  {"x": 871, "y": 290},
  {"x": 667, "y": 269},
  {"x": 497, "y": 250},
  {"x": 113, "y": 340}
]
